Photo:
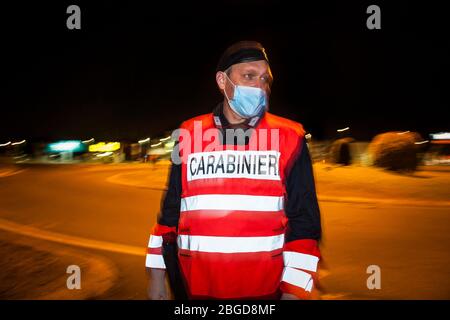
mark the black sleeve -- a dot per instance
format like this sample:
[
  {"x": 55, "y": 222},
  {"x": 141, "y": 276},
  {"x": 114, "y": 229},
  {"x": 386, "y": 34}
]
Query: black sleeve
[
  {"x": 170, "y": 206},
  {"x": 302, "y": 208}
]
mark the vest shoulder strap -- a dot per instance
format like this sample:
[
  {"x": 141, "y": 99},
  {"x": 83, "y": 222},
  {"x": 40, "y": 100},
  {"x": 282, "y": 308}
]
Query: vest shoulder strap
[
  {"x": 205, "y": 119},
  {"x": 281, "y": 123}
]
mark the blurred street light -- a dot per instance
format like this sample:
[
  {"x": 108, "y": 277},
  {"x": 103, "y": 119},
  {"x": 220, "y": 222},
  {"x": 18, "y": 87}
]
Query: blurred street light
[
  {"x": 440, "y": 136},
  {"x": 88, "y": 141},
  {"x": 144, "y": 140},
  {"x": 104, "y": 154},
  {"x": 343, "y": 129},
  {"x": 66, "y": 146},
  {"x": 104, "y": 147},
  {"x": 5, "y": 144},
  {"x": 18, "y": 142}
]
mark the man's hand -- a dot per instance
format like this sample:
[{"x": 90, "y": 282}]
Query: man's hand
[{"x": 157, "y": 288}]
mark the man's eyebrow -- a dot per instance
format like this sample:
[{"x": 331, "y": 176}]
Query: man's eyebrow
[{"x": 250, "y": 69}]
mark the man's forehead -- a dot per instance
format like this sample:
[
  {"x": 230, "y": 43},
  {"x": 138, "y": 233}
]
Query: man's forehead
[{"x": 260, "y": 66}]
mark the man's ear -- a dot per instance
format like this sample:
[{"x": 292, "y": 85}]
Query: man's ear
[{"x": 220, "y": 79}]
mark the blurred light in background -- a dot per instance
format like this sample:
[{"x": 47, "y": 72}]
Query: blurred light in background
[
  {"x": 440, "y": 136},
  {"x": 5, "y": 144},
  {"x": 66, "y": 146},
  {"x": 164, "y": 139},
  {"x": 17, "y": 143},
  {"x": 343, "y": 129},
  {"x": 144, "y": 140},
  {"x": 168, "y": 146},
  {"x": 104, "y": 147},
  {"x": 88, "y": 141},
  {"x": 104, "y": 154}
]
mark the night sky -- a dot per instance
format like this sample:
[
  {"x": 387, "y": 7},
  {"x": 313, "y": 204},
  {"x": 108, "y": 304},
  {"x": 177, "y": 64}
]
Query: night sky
[{"x": 136, "y": 70}]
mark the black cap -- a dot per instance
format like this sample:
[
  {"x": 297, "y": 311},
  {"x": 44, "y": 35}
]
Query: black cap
[{"x": 242, "y": 51}]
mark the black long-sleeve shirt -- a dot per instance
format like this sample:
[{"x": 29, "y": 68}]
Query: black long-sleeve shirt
[{"x": 301, "y": 206}]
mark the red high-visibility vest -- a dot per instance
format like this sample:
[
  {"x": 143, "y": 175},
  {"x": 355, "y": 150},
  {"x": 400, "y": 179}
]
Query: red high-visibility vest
[{"x": 232, "y": 223}]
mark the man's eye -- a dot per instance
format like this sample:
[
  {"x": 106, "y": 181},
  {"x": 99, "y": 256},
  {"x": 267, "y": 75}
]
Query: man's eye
[{"x": 248, "y": 76}]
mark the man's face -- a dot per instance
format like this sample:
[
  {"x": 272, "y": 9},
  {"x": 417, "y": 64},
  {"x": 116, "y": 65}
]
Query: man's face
[{"x": 250, "y": 74}]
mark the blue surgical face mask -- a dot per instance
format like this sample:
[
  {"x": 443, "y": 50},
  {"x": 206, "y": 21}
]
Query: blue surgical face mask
[{"x": 247, "y": 102}]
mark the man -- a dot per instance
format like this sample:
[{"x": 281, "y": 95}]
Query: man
[{"x": 241, "y": 205}]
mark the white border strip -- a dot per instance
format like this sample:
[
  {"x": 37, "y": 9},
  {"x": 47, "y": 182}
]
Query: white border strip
[
  {"x": 297, "y": 278},
  {"x": 155, "y": 241},
  {"x": 300, "y": 260},
  {"x": 309, "y": 287},
  {"x": 154, "y": 261},
  {"x": 231, "y": 202},
  {"x": 230, "y": 244}
]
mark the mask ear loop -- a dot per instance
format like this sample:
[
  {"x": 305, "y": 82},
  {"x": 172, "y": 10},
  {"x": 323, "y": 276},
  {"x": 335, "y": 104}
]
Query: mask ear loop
[
  {"x": 225, "y": 91},
  {"x": 229, "y": 101}
]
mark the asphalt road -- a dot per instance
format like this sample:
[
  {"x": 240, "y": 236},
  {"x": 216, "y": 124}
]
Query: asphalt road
[{"x": 409, "y": 244}]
